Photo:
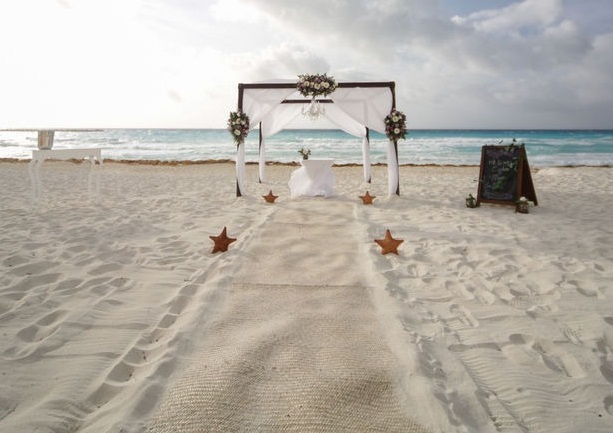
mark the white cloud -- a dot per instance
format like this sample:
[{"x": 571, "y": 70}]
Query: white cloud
[
  {"x": 526, "y": 14},
  {"x": 592, "y": 79},
  {"x": 234, "y": 11},
  {"x": 164, "y": 63}
]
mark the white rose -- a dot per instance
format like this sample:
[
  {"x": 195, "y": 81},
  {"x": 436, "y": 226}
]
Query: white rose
[
  {"x": 395, "y": 119},
  {"x": 396, "y": 131},
  {"x": 237, "y": 132},
  {"x": 326, "y": 84}
]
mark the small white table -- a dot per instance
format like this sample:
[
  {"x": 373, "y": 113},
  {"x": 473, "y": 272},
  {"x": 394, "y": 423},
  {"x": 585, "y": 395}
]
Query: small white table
[
  {"x": 314, "y": 178},
  {"x": 39, "y": 156}
]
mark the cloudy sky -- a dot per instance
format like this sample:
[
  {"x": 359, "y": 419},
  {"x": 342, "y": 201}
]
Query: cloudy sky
[{"x": 176, "y": 63}]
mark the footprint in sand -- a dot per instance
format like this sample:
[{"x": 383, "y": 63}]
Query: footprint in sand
[
  {"x": 606, "y": 369},
  {"x": 120, "y": 373},
  {"x": 106, "y": 268},
  {"x": 587, "y": 289},
  {"x": 32, "y": 338},
  {"x": 520, "y": 350},
  {"x": 482, "y": 296},
  {"x": 585, "y": 331},
  {"x": 43, "y": 328},
  {"x": 464, "y": 315},
  {"x": 68, "y": 287},
  {"x": 147, "y": 358},
  {"x": 608, "y": 404},
  {"x": 7, "y": 406},
  {"x": 573, "y": 333},
  {"x": 557, "y": 359},
  {"x": 15, "y": 260},
  {"x": 36, "y": 268},
  {"x": 605, "y": 347},
  {"x": 553, "y": 357},
  {"x": 178, "y": 304},
  {"x": 459, "y": 290}
]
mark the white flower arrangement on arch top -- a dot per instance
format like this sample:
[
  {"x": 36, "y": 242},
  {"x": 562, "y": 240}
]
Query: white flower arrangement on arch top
[
  {"x": 396, "y": 125},
  {"x": 316, "y": 85},
  {"x": 238, "y": 125}
]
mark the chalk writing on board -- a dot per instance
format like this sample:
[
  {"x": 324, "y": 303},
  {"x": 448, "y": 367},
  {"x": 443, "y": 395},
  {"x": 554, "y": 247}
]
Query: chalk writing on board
[
  {"x": 499, "y": 180},
  {"x": 504, "y": 175}
]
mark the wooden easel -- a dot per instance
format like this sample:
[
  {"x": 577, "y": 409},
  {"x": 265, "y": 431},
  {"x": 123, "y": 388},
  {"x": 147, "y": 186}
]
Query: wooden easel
[{"x": 504, "y": 175}]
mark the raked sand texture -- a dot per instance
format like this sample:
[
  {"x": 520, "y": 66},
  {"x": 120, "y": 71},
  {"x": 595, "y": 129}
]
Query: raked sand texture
[{"x": 116, "y": 317}]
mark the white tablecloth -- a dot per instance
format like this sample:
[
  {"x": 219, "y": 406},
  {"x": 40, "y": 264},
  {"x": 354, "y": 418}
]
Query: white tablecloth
[{"x": 314, "y": 178}]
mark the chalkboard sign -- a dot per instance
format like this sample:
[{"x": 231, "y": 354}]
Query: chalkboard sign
[{"x": 504, "y": 175}]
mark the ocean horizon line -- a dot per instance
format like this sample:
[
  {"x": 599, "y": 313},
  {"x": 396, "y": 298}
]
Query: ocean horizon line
[
  {"x": 186, "y": 162},
  {"x": 145, "y": 128}
]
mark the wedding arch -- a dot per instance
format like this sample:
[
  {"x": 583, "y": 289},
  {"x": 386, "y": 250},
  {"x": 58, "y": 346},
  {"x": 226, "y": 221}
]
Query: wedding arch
[{"x": 354, "y": 107}]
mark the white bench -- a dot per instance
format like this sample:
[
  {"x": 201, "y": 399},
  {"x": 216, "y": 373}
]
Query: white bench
[{"x": 39, "y": 156}]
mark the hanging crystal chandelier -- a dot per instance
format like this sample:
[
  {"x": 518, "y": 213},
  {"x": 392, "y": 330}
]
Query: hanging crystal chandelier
[{"x": 313, "y": 110}]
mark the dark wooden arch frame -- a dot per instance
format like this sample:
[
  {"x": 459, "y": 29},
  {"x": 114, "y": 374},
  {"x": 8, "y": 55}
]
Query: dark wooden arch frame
[{"x": 289, "y": 85}]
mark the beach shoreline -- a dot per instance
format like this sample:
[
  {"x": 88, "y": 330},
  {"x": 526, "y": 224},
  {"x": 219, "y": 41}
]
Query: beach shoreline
[
  {"x": 490, "y": 320},
  {"x": 282, "y": 163}
]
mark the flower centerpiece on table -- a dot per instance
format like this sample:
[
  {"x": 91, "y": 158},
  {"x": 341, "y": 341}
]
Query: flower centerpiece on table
[
  {"x": 396, "y": 125},
  {"x": 305, "y": 153},
  {"x": 315, "y": 85},
  {"x": 238, "y": 125}
]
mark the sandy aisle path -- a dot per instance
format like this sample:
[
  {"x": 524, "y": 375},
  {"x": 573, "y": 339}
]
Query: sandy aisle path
[{"x": 297, "y": 345}]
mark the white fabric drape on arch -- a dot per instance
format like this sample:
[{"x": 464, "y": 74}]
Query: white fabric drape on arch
[
  {"x": 369, "y": 106},
  {"x": 346, "y": 123},
  {"x": 276, "y": 119},
  {"x": 366, "y": 105},
  {"x": 284, "y": 114},
  {"x": 240, "y": 167},
  {"x": 392, "y": 175},
  {"x": 258, "y": 104}
]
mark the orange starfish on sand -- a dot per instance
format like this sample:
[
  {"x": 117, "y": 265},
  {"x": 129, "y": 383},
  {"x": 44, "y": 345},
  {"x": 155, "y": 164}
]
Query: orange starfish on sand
[
  {"x": 367, "y": 198},
  {"x": 222, "y": 241},
  {"x": 389, "y": 244},
  {"x": 270, "y": 198}
]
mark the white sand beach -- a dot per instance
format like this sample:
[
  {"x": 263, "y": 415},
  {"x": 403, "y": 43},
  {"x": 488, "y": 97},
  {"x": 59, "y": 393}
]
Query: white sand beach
[{"x": 116, "y": 317}]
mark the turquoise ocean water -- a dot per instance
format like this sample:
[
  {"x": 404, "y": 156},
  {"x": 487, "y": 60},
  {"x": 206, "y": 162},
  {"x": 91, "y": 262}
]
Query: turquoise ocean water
[{"x": 456, "y": 147}]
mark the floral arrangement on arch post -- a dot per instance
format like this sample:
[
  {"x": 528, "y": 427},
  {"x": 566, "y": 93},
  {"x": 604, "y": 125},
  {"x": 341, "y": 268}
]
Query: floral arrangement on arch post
[
  {"x": 396, "y": 125},
  {"x": 238, "y": 125},
  {"x": 315, "y": 85}
]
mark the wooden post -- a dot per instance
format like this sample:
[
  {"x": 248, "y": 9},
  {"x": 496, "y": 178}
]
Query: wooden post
[
  {"x": 368, "y": 140},
  {"x": 238, "y": 188},
  {"x": 260, "y": 149},
  {"x": 240, "y": 97}
]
